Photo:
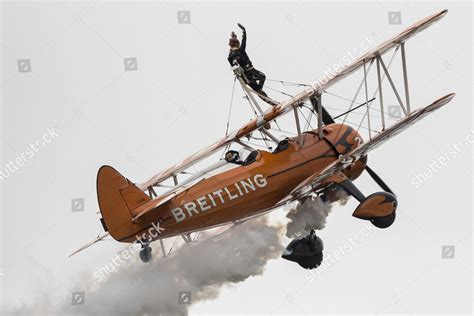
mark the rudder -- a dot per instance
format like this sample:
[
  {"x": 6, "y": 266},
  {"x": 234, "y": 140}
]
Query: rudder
[{"x": 118, "y": 197}]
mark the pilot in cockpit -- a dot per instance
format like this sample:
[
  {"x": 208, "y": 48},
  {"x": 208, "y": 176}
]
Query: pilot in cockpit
[{"x": 233, "y": 156}]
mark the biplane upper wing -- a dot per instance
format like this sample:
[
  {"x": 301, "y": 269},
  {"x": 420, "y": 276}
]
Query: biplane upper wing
[
  {"x": 344, "y": 161},
  {"x": 297, "y": 100}
]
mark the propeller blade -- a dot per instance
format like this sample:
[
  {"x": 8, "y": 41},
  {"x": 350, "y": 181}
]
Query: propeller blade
[{"x": 327, "y": 118}]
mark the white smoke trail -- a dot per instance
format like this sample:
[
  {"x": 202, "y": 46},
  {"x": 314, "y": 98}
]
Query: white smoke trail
[
  {"x": 198, "y": 268},
  {"x": 308, "y": 214},
  {"x": 342, "y": 197}
]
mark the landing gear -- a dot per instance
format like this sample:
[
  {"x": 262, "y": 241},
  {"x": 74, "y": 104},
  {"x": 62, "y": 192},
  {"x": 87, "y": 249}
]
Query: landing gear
[
  {"x": 306, "y": 251},
  {"x": 378, "y": 208},
  {"x": 145, "y": 253},
  {"x": 385, "y": 221}
]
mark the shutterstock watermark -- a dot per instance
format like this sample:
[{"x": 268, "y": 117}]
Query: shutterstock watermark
[
  {"x": 103, "y": 271},
  {"x": 22, "y": 159},
  {"x": 442, "y": 161},
  {"x": 351, "y": 55},
  {"x": 342, "y": 251}
]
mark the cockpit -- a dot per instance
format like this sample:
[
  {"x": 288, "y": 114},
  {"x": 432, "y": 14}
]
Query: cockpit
[
  {"x": 243, "y": 157},
  {"x": 247, "y": 155}
]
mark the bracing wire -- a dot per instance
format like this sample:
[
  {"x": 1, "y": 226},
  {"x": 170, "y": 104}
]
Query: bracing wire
[
  {"x": 250, "y": 103},
  {"x": 230, "y": 108},
  {"x": 288, "y": 83},
  {"x": 307, "y": 122},
  {"x": 264, "y": 140},
  {"x": 273, "y": 89}
]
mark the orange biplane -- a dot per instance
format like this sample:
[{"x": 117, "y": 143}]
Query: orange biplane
[{"x": 250, "y": 181}]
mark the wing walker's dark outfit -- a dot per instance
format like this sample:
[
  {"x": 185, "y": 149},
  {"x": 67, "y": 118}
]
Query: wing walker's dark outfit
[{"x": 256, "y": 78}]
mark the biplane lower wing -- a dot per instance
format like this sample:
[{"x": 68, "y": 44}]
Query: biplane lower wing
[{"x": 307, "y": 186}]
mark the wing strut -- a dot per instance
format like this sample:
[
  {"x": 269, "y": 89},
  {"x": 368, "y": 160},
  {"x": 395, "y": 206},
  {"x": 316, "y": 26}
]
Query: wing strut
[
  {"x": 376, "y": 90},
  {"x": 163, "y": 250},
  {"x": 322, "y": 113},
  {"x": 298, "y": 128},
  {"x": 367, "y": 98},
  {"x": 405, "y": 77},
  {"x": 379, "y": 79},
  {"x": 379, "y": 58}
]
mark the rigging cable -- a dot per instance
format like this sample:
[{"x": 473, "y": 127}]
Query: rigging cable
[
  {"x": 228, "y": 117},
  {"x": 284, "y": 93},
  {"x": 288, "y": 83},
  {"x": 264, "y": 140},
  {"x": 230, "y": 107},
  {"x": 307, "y": 122}
]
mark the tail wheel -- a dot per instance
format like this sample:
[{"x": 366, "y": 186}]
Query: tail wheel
[
  {"x": 145, "y": 254},
  {"x": 384, "y": 222}
]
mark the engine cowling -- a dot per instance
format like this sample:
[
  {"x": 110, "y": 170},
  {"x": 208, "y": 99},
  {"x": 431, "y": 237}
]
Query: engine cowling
[{"x": 355, "y": 169}]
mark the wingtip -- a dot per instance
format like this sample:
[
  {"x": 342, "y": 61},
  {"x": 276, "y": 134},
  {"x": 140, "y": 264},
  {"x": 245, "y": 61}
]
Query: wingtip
[
  {"x": 449, "y": 96},
  {"x": 440, "y": 102}
]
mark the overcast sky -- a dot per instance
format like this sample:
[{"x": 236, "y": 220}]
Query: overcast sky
[{"x": 64, "y": 75}]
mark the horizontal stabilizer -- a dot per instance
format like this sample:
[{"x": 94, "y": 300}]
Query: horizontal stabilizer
[{"x": 99, "y": 238}]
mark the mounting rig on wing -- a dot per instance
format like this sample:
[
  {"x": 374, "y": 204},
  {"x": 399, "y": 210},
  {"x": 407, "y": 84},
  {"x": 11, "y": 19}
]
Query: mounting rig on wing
[{"x": 244, "y": 82}]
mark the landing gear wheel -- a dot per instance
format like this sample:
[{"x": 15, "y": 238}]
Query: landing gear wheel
[
  {"x": 311, "y": 262},
  {"x": 383, "y": 222},
  {"x": 145, "y": 254}
]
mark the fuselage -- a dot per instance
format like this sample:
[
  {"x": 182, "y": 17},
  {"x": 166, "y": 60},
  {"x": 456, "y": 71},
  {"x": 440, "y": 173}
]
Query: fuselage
[{"x": 247, "y": 190}]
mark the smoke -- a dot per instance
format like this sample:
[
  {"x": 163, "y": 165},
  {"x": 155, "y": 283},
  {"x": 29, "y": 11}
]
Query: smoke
[
  {"x": 342, "y": 197},
  {"x": 167, "y": 286},
  {"x": 202, "y": 269},
  {"x": 310, "y": 213},
  {"x": 194, "y": 273}
]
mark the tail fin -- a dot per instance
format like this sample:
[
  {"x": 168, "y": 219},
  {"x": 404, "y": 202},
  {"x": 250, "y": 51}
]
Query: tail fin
[{"x": 118, "y": 197}]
